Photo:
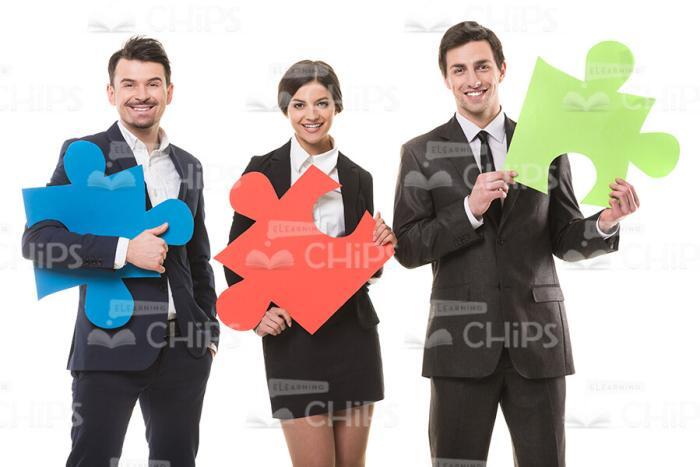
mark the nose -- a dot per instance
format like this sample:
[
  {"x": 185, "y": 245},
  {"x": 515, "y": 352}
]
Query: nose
[
  {"x": 141, "y": 92},
  {"x": 472, "y": 80},
  {"x": 311, "y": 113}
]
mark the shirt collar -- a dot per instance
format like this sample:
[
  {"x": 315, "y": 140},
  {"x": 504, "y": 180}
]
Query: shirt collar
[
  {"x": 496, "y": 128},
  {"x": 326, "y": 162},
  {"x": 135, "y": 143}
]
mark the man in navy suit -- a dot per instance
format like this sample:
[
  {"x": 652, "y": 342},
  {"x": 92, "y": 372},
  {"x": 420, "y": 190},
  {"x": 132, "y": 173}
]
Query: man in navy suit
[{"x": 162, "y": 356}]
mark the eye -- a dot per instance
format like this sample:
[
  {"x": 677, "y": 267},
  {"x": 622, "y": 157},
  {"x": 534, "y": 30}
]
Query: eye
[
  {"x": 458, "y": 70},
  {"x": 155, "y": 84},
  {"x": 298, "y": 105},
  {"x": 483, "y": 67},
  {"x": 127, "y": 85},
  {"x": 323, "y": 104}
]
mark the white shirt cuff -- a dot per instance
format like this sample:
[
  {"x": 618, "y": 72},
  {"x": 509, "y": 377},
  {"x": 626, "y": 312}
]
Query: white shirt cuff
[
  {"x": 120, "y": 255},
  {"x": 476, "y": 223},
  {"x": 603, "y": 234},
  {"x": 213, "y": 347}
]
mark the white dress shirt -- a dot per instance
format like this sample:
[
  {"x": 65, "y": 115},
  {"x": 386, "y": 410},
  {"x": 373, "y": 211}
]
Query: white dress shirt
[
  {"x": 498, "y": 144},
  {"x": 162, "y": 182},
  {"x": 329, "y": 214}
]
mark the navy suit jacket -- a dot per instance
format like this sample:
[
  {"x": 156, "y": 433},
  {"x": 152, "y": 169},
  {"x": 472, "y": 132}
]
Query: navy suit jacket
[{"x": 136, "y": 345}]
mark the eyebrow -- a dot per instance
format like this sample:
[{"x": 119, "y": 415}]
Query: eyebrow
[
  {"x": 317, "y": 100},
  {"x": 129, "y": 80},
  {"x": 477, "y": 63}
]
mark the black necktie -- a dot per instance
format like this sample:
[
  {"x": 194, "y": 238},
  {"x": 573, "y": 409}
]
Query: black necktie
[{"x": 487, "y": 165}]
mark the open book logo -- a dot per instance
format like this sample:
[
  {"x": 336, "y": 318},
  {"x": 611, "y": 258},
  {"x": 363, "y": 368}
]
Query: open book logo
[
  {"x": 254, "y": 105},
  {"x": 598, "y": 421},
  {"x": 119, "y": 180},
  {"x": 438, "y": 338},
  {"x": 119, "y": 339},
  {"x": 575, "y": 102},
  {"x": 263, "y": 423},
  {"x": 439, "y": 179},
  {"x": 281, "y": 259},
  {"x": 417, "y": 26},
  {"x": 111, "y": 25}
]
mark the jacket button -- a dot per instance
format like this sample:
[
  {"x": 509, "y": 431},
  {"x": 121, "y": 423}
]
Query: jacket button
[{"x": 500, "y": 241}]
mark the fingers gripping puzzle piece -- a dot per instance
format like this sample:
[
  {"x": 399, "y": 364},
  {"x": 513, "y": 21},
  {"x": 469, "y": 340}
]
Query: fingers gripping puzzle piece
[
  {"x": 96, "y": 204},
  {"x": 564, "y": 114},
  {"x": 283, "y": 258}
]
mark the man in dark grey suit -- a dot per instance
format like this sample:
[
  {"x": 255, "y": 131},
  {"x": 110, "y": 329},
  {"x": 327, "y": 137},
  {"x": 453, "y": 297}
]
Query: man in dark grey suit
[{"x": 497, "y": 331}]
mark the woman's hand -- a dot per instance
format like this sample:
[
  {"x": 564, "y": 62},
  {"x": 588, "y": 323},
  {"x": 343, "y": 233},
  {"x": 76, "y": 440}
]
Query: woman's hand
[
  {"x": 382, "y": 232},
  {"x": 274, "y": 322}
]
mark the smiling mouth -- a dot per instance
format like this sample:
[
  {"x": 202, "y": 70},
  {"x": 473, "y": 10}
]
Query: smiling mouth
[
  {"x": 311, "y": 126},
  {"x": 141, "y": 108},
  {"x": 477, "y": 93}
]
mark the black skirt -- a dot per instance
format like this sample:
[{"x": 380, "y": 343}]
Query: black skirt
[{"x": 337, "y": 368}]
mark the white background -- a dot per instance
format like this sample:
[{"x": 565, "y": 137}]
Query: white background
[{"x": 633, "y": 315}]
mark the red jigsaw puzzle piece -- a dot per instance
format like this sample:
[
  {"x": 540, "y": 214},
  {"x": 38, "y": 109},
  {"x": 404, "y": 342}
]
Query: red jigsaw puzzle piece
[{"x": 283, "y": 258}]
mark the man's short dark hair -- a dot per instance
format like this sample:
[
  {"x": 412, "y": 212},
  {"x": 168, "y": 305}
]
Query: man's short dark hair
[
  {"x": 140, "y": 48},
  {"x": 305, "y": 72},
  {"x": 468, "y": 31}
]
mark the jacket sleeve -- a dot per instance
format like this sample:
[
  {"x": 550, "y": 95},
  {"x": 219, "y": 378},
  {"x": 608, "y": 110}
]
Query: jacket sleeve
[
  {"x": 426, "y": 232},
  {"x": 51, "y": 245},
  {"x": 573, "y": 237},
  {"x": 199, "y": 256},
  {"x": 369, "y": 197}
]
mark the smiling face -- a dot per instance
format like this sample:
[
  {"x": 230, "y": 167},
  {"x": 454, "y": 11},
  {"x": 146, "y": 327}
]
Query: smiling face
[
  {"x": 311, "y": 111},
  {"x": 140, "y": 93},
  {"x": 473, "y": 77}
]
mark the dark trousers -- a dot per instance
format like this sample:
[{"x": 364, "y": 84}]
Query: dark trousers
[
  {"x": 170, "y": 393},
  {"x": 463, "y": 412}
]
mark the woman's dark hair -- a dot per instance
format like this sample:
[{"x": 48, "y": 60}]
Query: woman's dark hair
[
  {"x": 468, "y": 31},
  {"x": 304, "y": 72},
  {"x": 140, "y": 48}
]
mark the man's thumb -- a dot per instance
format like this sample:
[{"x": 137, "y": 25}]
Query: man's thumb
[{"x": 159, "y": 230}]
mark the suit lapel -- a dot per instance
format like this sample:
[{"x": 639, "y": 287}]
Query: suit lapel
[
  {"x": 280, "y": 171},
  {"x": 349, "y": 179},
  {"x": 466, "y": 166},
  {"x": 174, "y": 156},
  {"x": 452, "y": 132},
  {"x": 514, "y": 192},
  {"x": 120, "y": 156}
]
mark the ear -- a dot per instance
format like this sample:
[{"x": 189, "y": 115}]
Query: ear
[
  {"x": 110, "y": 94},
  {"x": 446, "y": 80},
  {"x": 503, "y": 72},
  {"x": 169, "y": 92}
]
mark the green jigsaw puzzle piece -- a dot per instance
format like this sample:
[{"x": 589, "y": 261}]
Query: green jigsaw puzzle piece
[{"x": 563, "y": 114}]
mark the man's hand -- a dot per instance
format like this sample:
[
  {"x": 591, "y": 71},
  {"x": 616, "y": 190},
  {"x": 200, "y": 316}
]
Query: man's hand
[
  {"x": 489, "y": 186},
  {"x": 147, "y": 250},
  {"x": 274, "y": 322},
  {"x": 623, "y": 202},
  {"x": 382, "y": 232}
]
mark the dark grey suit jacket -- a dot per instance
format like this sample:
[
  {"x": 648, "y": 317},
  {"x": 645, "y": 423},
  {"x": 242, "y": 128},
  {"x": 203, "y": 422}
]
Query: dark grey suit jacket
[{"x": 496, "y": 285}]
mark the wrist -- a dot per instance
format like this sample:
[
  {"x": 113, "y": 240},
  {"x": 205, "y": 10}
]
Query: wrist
[{"x": 477, "y": 215}]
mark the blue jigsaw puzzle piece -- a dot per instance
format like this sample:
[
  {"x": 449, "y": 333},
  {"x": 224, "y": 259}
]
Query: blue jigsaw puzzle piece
[{"x": 97, "y": 204}]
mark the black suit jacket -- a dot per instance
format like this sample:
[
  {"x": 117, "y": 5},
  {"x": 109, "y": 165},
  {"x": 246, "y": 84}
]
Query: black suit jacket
[
  {"x": 136, "y": 345},
  {"x": 498, "y": 281},
  {"x": 356, "y": 190}
]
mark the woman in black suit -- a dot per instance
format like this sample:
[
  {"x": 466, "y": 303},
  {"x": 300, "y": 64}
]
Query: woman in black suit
[{"x": 322, "y": 386}]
